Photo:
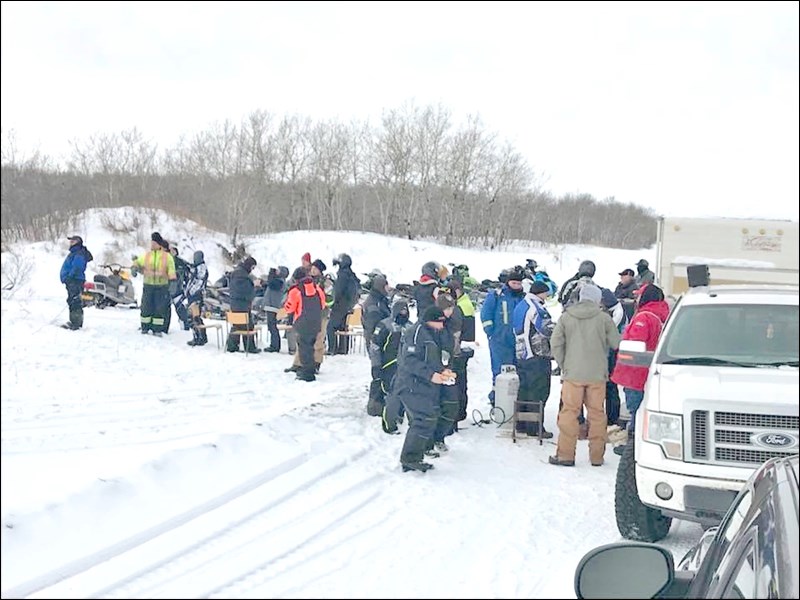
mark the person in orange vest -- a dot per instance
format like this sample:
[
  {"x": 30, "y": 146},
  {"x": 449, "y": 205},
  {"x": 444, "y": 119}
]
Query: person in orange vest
[
  {"x": 158, "y": 268},
  {"x": 305, "y": 303}
]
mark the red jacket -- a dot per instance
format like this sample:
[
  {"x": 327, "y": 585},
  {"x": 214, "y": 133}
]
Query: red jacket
[{"x": 645, "y": 326}]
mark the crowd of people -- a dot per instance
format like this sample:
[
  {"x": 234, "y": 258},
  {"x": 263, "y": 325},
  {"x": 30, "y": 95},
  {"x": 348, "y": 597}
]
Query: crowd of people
[{"x": 419, "y": 369}]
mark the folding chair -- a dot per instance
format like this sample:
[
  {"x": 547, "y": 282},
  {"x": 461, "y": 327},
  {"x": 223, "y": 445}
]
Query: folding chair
[
  {"x": 194, "y": 311},
  {"x": 354, "y": 332},
  {"x": 527, "y": 411},
  {"x": 241, "y": 318}
]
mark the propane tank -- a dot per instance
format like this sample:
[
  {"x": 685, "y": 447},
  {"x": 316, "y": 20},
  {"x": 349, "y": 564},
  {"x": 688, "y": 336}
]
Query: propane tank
[{"x": 506, "y": 387}]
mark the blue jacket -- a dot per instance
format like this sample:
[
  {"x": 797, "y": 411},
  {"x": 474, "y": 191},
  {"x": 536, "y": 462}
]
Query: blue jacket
[
  {"x": 497, "y": 313},
  {"x": 74, "y": 266}
]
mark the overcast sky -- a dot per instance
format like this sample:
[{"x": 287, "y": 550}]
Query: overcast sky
[{"x": 688, "y": 108}]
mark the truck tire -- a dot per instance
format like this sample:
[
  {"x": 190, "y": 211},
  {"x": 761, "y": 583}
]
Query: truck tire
[{"x": 635, "y": 521}]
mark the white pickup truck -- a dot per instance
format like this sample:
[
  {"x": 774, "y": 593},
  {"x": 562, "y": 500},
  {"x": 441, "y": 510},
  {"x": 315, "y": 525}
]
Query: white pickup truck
[{"x": 721, "y": 398}]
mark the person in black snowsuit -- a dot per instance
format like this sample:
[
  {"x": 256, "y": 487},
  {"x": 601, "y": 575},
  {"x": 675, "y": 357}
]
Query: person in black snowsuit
[
  {"x": 464, "y": 314},
  {"x": 305, "y": 304},
  {"x": 419, "y": 375},
  {"x": 195, "y": 287},
  {"x": 384, "y": 351},
  {"x": 449, "y": 396},
  {"x": 242, "y": 291},
  {"x": 427, "y": 288},
  {"x": 374, "y": 309},
  {"x": 73, "y": 275},
  {"x": 345, "y": 296}
]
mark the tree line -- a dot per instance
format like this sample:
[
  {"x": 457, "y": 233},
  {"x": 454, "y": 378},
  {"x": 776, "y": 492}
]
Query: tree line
[{"x": 416, "y": 174}]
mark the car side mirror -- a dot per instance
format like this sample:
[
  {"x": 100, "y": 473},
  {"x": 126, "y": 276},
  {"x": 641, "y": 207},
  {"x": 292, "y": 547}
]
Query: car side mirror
[
  {"x": 634, "y": 353},
  {"x": 624, "y": 570}
]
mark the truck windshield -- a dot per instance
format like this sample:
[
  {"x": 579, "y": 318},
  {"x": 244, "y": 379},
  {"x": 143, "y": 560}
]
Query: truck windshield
[{"x": 733, "y": 335}]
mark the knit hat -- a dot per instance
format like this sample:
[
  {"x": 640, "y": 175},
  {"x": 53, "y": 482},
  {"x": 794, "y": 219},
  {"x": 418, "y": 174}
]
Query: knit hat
[
  {"x": 433, "y": 313},
  {"x": 609, "y": 300},
  {"x": 651, "y": 293},
  {"x": 537, "y": 287},
  {"x": 306, "y": 257},
  {"x": 249, "y": 263},
  {"x": 320, "y": 265},
  {"x": 591, "y": 292}
]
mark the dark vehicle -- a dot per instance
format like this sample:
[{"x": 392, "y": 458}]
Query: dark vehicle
[{"x": 752, "y": 554}]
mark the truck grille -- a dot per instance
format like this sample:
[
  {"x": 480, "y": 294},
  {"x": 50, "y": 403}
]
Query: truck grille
[{"x": 727, "y": 436}]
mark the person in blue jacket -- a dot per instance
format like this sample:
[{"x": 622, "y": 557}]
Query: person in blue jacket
[
  {"x": 496, "y": 317},
  {"x": 73, "y": 274}
]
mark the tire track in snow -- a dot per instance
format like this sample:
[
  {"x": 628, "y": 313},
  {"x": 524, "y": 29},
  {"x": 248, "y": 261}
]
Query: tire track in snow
[
  {"x": 183, "y": 547},
  {"x": 50, "y": 584}
]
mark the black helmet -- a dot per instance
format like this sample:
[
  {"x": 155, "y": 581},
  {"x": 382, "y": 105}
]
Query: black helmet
[
  {"x": 198, "y": 257},
  {"x": 586, "y": 269},
  {"x": 343, "y": 260},
  {"x": 432, "y": 269}
]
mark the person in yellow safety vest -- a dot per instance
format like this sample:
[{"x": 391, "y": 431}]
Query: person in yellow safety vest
[{"x": 158, "y": 268}]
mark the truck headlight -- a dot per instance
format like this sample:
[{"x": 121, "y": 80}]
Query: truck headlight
[{"x": 666, "y": 431}]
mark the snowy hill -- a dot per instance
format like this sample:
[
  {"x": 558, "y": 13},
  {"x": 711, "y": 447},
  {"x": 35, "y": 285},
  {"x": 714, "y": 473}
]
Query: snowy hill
[{"x": 140, "y": 467}]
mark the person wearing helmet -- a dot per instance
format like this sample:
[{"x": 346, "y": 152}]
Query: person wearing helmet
[
  {"x": 496, "y": 318},
  {"x": 427, "y": 288},
  {"x": 195, "y": 288},
  {"x": 568, "y": 296},
  {"x": 345, "y": 296},
  {"x": 644, "y": 274}
]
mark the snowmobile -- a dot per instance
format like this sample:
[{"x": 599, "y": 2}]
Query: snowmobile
[
  {"x": 113, "y": 289},
  {"x": 217, "y": 302}
]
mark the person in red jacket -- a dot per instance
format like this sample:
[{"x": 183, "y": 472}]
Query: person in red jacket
[
  {"x": 305, "y": 304},
  {"x": 645, "y": 326}
]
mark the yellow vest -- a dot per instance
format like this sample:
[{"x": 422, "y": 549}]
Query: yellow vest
[{"x": 157, "y": 266}]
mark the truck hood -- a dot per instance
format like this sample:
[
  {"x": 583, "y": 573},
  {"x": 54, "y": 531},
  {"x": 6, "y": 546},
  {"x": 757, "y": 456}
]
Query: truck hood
[{"x": 668, "y": 390}]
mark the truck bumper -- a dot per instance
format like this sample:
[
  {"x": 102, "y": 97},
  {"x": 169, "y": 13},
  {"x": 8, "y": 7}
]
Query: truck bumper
[{"x": 699, "y": 499}]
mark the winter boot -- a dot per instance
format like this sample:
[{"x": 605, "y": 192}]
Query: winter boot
[
  {"x": 316, "y": 367},
  {"x": 75, "y": 318},
  {"x": 292, "y": 369},
  {"x": 554, "y": 460},
  {"x": 388, "y": 425},
  {"x": 441, "y": 447},
  {"x": 420, "y": 466},
  {"x": 304, "y": 375}
]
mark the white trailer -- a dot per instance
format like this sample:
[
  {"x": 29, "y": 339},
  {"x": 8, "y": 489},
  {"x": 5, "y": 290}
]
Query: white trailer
[{"x": 735, "y": 250}]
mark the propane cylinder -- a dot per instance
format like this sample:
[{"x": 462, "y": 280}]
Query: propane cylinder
[{"x": 506, "y": 387}]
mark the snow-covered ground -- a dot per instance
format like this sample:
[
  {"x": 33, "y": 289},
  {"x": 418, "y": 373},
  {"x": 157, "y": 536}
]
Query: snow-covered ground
[{"x": 134, "y": 466}]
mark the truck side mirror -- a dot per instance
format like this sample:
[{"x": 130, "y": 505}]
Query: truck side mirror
[
  {"x": 634, "y": 353},
  {"x": 624, "y": 570}
]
